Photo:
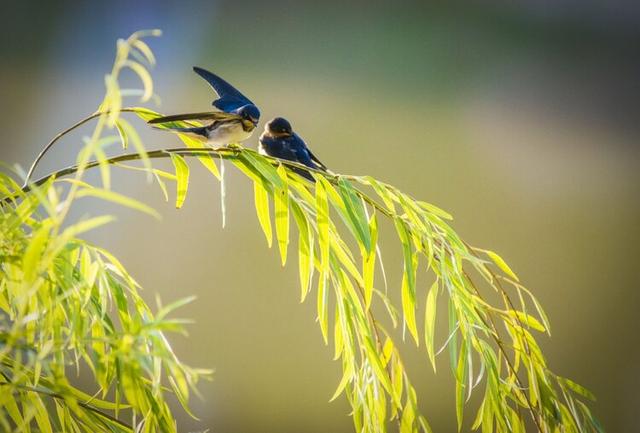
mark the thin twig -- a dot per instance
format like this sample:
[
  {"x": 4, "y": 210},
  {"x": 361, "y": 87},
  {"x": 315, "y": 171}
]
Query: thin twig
[
  {"x": 233, "y": 153},
  {"x": 86, "y": 406},
  {"x": 500, "y": 344},
  {"x": 46, "y": 148}
]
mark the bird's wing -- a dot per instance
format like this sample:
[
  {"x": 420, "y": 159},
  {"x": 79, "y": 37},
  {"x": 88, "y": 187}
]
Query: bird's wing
[
  {"x": 210, "y": 115},
  {"x": 230, "y": 97},
  {"x": 313, "y": 161},
  {"x": 316, "y": 160}
]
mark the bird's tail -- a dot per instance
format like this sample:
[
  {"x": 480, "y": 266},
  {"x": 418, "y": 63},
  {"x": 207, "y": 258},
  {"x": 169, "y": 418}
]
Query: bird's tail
[{"x": 199, "y": 132}]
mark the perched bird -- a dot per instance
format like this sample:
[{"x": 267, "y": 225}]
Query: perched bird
[
  {"x": 279, "y": 140},
  {"x": 235, "y": 121}
]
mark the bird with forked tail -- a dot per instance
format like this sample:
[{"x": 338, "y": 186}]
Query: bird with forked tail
[
  {"x": 234, "y": 123},
  {"x": 278, "y": 140}
]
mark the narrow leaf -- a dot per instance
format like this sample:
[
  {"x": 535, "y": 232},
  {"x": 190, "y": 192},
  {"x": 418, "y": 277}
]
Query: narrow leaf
[
  {"x": 429, "y": 322},
  {"x": 282, "y": 216},
  {"x": 182, "y": 175},
  {"x": 262, "y": 209}
]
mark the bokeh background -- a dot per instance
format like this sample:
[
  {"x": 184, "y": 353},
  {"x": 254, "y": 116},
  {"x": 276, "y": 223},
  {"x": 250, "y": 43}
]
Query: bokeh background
[{"x": 520, "y": 118}]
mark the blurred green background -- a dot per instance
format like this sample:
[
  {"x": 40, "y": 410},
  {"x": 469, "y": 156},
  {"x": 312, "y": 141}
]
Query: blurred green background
[{"x": 522, "y": 120}]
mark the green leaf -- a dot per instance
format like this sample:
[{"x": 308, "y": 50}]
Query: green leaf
[
  {"x": 86, "y": 225},
  {"x": 145, "y": 50},
  {"x": 305, "y": 249},
  {"x": 262, "y": 209},
  {"x": 527, "y": 320},
  {"x": 323, "y": 307},
  {"x": 117, "y": 198},
  {"x": 33, "y": 252},
  {"x": 408, "y": 290},
  {"x": 499, "y": 261},
  {"x": 281, "y": 199},
  {"x": 430, "y": 322},
  {"x": 376, "y": 364},
  {"x": 369, "y": 262},
  {"x": 274, "y": 177},
  {"x": 124, "y": 138},
  {"x": 408, "y": 258},
  {"x": 356, "y": 214},
  {"x": 145, "y": 77},
  {"x": 347, "y": 376},
  {"x": 223, "y": 193},
  {"x": 434, "y": 210},
  {"x": 130, "y": 135},
  {"x": 577, "y": 388},
  {"x": 461, "y": 378},
  {"x": 322, "y": 215},
  {"x": 41, "y": 415},
  {"x": 182, "y": 175}
]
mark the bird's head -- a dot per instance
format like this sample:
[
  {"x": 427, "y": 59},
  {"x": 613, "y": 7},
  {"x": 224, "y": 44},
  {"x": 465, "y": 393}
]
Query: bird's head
[
  {"x": 249, "y": 113},
  {"x": 279, "y": 127}
]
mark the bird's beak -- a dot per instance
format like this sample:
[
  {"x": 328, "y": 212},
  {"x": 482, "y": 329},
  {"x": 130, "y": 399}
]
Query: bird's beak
[{"x": 248, "y": 124}]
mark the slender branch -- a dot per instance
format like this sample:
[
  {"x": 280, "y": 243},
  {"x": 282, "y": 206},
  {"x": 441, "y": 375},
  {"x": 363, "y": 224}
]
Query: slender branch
[
  {"x": 494, "y": 335},
  {"x": 86, "y": 406},
  {"x": 46, "y": 148},
  {"x": 233, "y": 153},
  {"x": 227, "y": 152}
]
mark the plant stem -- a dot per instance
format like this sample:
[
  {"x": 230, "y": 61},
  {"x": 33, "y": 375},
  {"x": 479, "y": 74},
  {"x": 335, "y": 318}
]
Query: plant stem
[
  {"x": 233, "y": 153},
  {"x": 46, "y": 148},
  {"x": 86, "y": 406}
]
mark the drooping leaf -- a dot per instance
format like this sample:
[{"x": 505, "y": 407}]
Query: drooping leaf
[
  {"x": 261, "y": 197},
  {"x": 527, "y": 320},
  {"x": 118, "y": 199},
  {"x": 182, "y": 176},
  {"x": 429, "y": 322},
  {"x": 499, "y": 261},
  {"x": 356, "y": 214},
  {"x": 281, "y": 208},
  {"x": 369, "y": 262},
  {"x": 305, "y": 249}
]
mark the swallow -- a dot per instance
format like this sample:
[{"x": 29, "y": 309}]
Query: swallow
[
  {"x": 279, "y": 140},
  {"x": 234, "y": 122}
]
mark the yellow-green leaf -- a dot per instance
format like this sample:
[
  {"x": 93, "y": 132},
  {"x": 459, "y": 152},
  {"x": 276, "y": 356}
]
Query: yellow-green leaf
[
  {"x": 262, "y": 209},
  {"x": 323, "y": 307},
  {"x": 305, "y": 249},
  {"x": 429, "y": 322},
  {"x": 276, "y": 177},
  {"x": 461, "y": 378},
  {"x": 434, "y": 210},
  {"x": 527, "y": 320},
  {"x": 409, "y": 309},
  {"x": 499, "y": 261},
  {"x": 282, "y": 216},
  {"x": 322, "y": 209},
  {"x": 182, "y": 175},
  {"x": 355, "y": 214},
  {"x": 346, "y": 378},
  {"x": 369, "y": 262},
  {"x": 145, "y": 77},
  {"x": 118, "y": 199}
]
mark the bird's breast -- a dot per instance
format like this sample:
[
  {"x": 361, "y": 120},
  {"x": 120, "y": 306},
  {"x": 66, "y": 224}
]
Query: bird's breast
[{"x": 224, "y": 133}]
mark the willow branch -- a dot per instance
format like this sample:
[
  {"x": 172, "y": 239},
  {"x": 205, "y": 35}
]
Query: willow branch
[
  {"x": 231, "y": 153},
  {"x": 227, "y": 152},
  {"x": 49, "y": 145},
  {"x": 86, "y": 406}
]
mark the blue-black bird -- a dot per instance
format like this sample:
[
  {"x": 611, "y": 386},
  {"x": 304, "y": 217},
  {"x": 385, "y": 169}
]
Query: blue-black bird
[
  {"x": 235, "y": 121},
  {"x": 279, "y": 140}
]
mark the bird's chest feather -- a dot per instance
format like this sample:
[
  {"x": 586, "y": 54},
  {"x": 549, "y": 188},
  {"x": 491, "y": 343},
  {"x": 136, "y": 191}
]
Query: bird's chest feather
[
  {"x": 224, "y": 133},
  {"x": 278, "y": 148}
]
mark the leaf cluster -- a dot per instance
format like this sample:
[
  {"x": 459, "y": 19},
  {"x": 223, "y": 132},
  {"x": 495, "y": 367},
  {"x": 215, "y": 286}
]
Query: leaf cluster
[{"x": 65, "y": 300}]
